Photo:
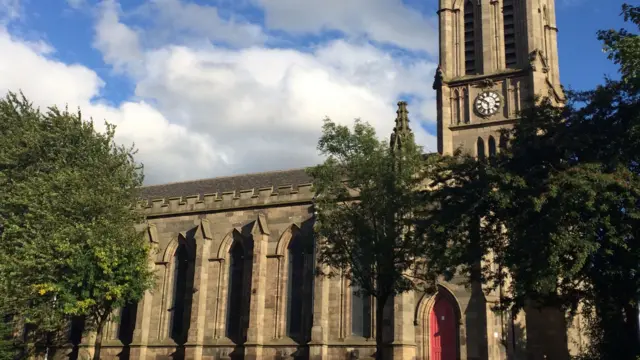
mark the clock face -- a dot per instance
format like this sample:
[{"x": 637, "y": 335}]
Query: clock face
[{"x": 488, "y": 103}]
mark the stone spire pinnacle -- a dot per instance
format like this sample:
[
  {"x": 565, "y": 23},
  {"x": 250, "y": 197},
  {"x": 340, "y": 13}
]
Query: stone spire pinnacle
[{"x": 401, "y": 131}]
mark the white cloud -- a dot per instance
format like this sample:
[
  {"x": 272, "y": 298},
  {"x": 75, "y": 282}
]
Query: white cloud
[
  {"x": 9, "y": 10},
  {"x": 176, "y": 18},
  {"x": 264, "y": 107},
  {"x": 261, "y": 108},
  {"x": 48, "y": 82},
  {"x": 120, "y": 45},
  {"x": 25, "y": 66},
  {"x": 204, "y": 111},
  {"x": 169, "y": 151},
  {"x": 76, "y": 4},
  {"x": 386, "y": 21}
]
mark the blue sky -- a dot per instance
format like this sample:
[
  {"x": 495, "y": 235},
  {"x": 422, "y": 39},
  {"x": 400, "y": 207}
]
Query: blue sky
[{"x": 216, "y": 87}]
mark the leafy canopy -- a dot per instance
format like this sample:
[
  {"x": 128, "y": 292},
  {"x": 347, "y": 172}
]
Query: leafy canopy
[
  {"x": 366, "y": 197},
  {"x": 68, "y": 243}
]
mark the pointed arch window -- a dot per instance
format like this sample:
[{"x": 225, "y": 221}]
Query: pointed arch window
[
  {"x": 299, "y": 288},
  {"x": 178, "y": 308},
  {"x": 456, "y": 107},
  {"x": 469, "y": 38},
  {"x": 492, "y": 146},
  {"x": 465, "y": 106},
  {"x": 76, "y": 329},
  {"x": 235, "y": 293},
  {"x": 360, "y": 313},
  {"x": 509, "y": 21},
  {"x": 127, "y": 325},
  {"x": 480, "y": 149},
  {"x": 503, "y": 142}
]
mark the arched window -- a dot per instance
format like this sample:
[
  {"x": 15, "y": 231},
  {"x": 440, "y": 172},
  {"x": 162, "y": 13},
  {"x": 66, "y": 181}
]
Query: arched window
[
  {"x": 75, "y": 335},
  {"x": 299, "y": 288},
  {"x": 465, "y": 106},
  {"x": 127, "y": 323},
  {"x": 492, "y": 146},
  {"x": 503, "y": 142},
  {"x": 508, "y": 13},
  {"x": 480, "y": 149},
  {"x": 456, "y": 107},
  {"x": 76, "y": 329},
  {"x": 180, "y": 268},
  {"x": 469, "y": 38},
  {"x": 235, "y": 293},
  {"x": 360, "y": 313}
]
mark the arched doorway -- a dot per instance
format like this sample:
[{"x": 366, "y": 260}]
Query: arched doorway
[{"x": 442, "y": 330}]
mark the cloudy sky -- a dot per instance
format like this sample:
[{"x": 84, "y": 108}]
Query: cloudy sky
[{"x": 208, "y": 88}]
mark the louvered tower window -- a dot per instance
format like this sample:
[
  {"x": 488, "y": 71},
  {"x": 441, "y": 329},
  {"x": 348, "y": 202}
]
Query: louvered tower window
[
  {"x": 508, "y": 12},
  {"x": 469, "y": 38}
]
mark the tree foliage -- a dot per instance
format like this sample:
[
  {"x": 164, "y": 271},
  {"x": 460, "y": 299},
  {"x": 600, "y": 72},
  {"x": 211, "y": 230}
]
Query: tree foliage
[
  {"x": 558, "y": 211},
  {"x": 68, "y": 245},
  {"x": 623, "y": 46},
  {"x": 11, "y": 347},
  {"x": 365, "y": 201}
]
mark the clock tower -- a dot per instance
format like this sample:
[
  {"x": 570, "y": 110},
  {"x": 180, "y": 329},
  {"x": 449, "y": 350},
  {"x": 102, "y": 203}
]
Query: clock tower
[{"x": 496, "y": 56}]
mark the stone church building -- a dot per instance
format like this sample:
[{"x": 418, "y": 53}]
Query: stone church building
[{"x": 234, "y": 255}]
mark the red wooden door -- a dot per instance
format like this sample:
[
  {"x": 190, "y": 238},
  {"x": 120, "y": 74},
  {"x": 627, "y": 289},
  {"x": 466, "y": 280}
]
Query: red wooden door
[{"x": 442, "y": 328}]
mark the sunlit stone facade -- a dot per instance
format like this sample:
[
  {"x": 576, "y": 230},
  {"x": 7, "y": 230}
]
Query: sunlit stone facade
[{"x": 234, "y": 256}]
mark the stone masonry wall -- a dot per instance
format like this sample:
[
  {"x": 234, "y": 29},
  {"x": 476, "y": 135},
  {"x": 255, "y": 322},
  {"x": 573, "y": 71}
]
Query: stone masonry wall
[{"x": 265, "y": 223}]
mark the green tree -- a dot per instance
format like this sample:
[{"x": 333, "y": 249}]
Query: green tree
[
  {"x": 558, "y": 211},
  {"x": 10, "y": 346},
  {"x": 365, "y": 200},
  {"x": 68, "y": 245},
  {"x": 623, "y": 46}
]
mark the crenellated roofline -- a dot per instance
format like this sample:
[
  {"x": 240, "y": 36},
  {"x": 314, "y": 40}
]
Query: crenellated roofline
[{"x": 225, "y": 201}]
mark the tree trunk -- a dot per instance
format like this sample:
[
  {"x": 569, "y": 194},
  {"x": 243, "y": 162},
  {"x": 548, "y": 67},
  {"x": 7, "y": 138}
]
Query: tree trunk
[
  {"x": 380, "y": 303},
  {"x": 98, "y": 344},
  {"x": 632, "y": 328},
  {"x": 48, "y": 345}
]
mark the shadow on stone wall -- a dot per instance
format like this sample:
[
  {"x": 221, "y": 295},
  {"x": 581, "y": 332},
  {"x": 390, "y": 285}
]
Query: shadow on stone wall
[
  {"x": 476, "y": 324},
  {"x": 515, "y": 340}
]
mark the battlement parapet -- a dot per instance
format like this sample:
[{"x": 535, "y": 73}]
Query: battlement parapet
[{"x": 268, "y": 196}]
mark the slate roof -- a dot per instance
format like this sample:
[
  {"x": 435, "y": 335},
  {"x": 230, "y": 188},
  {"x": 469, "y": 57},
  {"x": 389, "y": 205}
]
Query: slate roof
[{"x": 219, "y": 185}]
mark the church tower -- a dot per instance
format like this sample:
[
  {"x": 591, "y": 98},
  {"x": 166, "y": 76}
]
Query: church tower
[{"x": 496, "y": 56}]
